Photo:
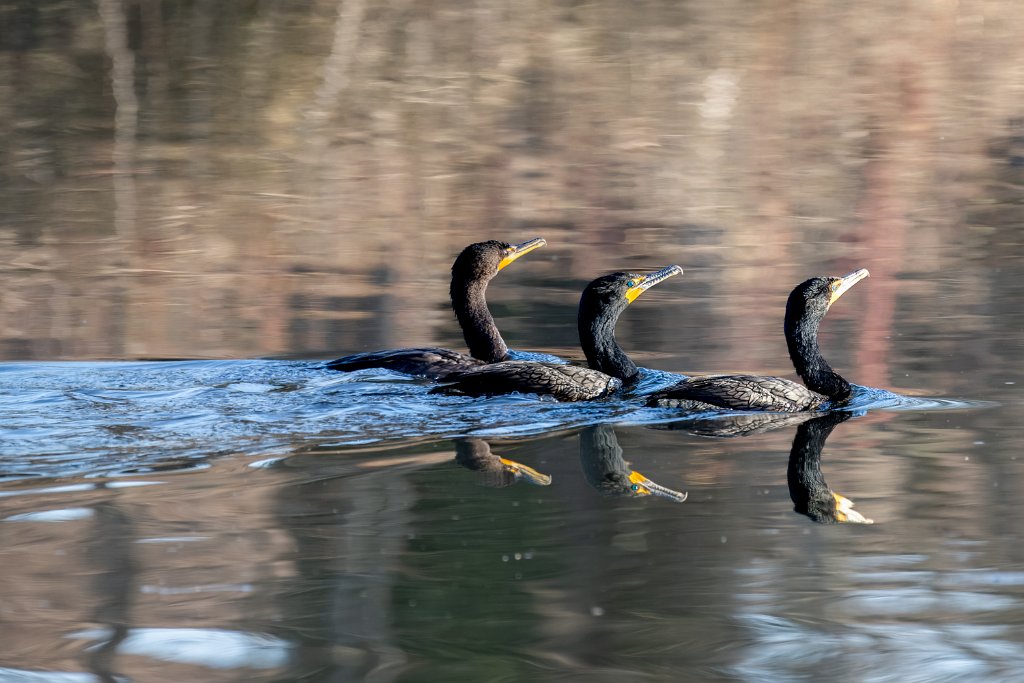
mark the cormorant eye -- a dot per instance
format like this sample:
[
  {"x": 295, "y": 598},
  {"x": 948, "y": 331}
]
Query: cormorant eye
[
  {"x": 635, "y": 487},
  {"x": 631, "y": 283}
]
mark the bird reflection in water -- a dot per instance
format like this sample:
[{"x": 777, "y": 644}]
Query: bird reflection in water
[
  {"x": 729, "y": 425},
  {"x": 808, "y": 489},
  {"x": 495, "y": 471},
  {"x": 608, "y": 472},
  {"x": 807, "y": 486}
]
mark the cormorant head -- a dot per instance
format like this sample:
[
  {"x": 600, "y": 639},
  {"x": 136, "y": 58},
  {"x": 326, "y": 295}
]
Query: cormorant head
[
  {"x": 616, "y": 291},
  {"x": 829, "y": 507},
  {"x": 810, "y": 300},
  {"x": 608, "y": 472},
  {"x": 630, "y": 483},
  {"x": 639, "y": 485},
  {"x": 483, "y": 260},
  {"x": 495, "y": 471}
]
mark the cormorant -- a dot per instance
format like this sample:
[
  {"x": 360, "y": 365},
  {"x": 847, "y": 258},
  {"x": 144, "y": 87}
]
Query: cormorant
[
  {"x": 473, "y": 269},
  {"x": 609, "y": 366},
  {"x": 805, "y": 309},
  {"x": 608, "y": 472},
  {"x": 495, "y": 471},
  {"x": 807, "y": 487}
]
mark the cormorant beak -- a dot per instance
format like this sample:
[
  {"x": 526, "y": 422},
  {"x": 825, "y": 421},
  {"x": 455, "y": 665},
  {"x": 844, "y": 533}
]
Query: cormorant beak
[
  {"x": 521, "y": 471},
  {"x": 842, "y": 284},
  {"x": 642, "y": 486},
  {"x": 644, "y": 282},
  {"x": 517, "y": 250},
  {"x": 845, "y": 511}
]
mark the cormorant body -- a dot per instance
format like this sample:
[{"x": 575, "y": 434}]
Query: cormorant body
[
  {"x": 602, "y": 302},
  {"x": 805, "y": 309},
  {"x": 738, "y": 424},
  {"x": 473, "y": 269}
]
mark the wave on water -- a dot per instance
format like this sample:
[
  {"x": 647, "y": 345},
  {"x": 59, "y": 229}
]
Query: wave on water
[
  {"x": 90, "y": 417},
  {"x": 869, "y": 398}
]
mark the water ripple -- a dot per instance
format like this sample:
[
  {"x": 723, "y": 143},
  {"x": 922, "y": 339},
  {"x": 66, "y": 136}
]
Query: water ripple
[
  {"x": 76, "y": 417},
  {"x": 868, "y": 398}
]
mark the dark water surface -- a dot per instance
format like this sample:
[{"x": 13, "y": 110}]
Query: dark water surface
[{"x": 247, "y": 189}]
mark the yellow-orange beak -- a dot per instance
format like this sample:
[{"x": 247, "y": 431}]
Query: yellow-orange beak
[
  {"x": 842, "y": 284},
  {"x": 642, "y": 486},
  {"x": 641, "y": 283},
  {"x": 517, "y": 250},
  {"x": 521, "y": 471},
  {"x": 845, "y": 511}
]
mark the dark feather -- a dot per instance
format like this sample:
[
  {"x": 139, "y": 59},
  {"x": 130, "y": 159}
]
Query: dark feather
[
  {"x": 431, "y": 362},
  {"x": 738, "y": 392},
  {"x": 563, "y": 382}
]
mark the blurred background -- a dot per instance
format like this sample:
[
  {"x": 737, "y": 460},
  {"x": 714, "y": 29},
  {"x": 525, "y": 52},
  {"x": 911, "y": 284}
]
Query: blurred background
[{"x": 263, "y": 179}]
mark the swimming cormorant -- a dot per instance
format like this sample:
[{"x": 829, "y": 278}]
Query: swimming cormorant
[
  {"x": 473, "y": 269},
  {"x": 609, "y": 366},
  {"x": 805, "y": 309}
]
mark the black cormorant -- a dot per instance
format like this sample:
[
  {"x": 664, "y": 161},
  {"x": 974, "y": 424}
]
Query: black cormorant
[
  {"x": 495, "y": 471},
  {"x": 608, "y": 472},
  {"x": 609, "y": 366},
  {"x": 805, "y": 309},
  {"x": 807, "y": 487},
  {"x": 473, "y": 269}
]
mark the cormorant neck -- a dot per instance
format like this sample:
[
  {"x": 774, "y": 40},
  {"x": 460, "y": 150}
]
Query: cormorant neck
[
  {"x": 814, "y": 370},
  {"x": 478, "y": 328},
  {"x": 472, "y": 454},
  {"x": 597, "y": 337},
  {"x": 602, "y": 461},
  {"x": 808, "y": 489}
]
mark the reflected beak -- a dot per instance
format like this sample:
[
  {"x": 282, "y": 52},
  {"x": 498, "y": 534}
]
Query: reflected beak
[
  {"x": 845, "y": 511},
  {"x": 642, "y": 486},
  {"x": 521, "y": 471},
  {"x": 645, "y": 282},
  {"x": 844, "y": 283},
  {"x": 515, "y": 251}
]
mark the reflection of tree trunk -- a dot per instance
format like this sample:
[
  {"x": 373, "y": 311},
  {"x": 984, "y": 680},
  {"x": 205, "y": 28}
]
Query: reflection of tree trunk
[
  {"x": 885, "y": 223},
  {"x": 155, "y": 53},
  {"x": 114, "y": 586},
  {"x": 336, "y": 77},
  {"x": 889, "y": 178},
  {"x": 201, "y": 100},
  {"x": 126, "y": 116},
  {"x": 349, "y": 534}
]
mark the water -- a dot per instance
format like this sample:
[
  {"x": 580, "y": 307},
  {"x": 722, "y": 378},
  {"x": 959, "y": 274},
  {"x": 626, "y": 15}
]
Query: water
[
  {"x": 186, "y": 518},
  {"x": 200, "y": 203}
]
